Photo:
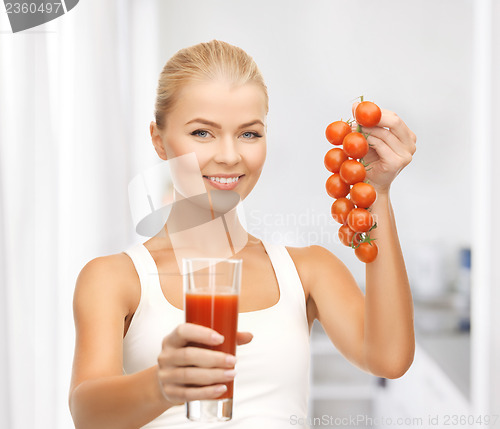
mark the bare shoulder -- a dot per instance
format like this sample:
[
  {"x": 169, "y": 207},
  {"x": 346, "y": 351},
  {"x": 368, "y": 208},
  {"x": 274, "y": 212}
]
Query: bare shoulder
[
  {"x": 109, "y": 277},
  {"x": 311, "y": 251},
  {"x": 309, "y": 259},
  {"x": 323, "y": 275},
  {"x": 105, "y": 289}
]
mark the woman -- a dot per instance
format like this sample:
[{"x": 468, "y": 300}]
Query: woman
[{"x": 212, "y": 101}]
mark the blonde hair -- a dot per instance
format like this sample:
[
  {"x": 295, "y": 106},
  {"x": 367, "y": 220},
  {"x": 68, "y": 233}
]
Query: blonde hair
[{"x": 214, "y": 60}]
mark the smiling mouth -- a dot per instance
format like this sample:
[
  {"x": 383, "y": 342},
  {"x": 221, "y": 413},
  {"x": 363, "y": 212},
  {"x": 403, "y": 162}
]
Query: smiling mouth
[{"x": 223, "y": 180}]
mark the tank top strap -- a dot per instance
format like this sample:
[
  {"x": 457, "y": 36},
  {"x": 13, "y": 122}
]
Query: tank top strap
[
  {"x": 291, "y": 288},
  {"x": 144, "y": 265}
]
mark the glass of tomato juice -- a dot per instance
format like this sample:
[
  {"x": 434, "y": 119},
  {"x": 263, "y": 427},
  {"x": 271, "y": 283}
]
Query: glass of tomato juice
[{"x": 211, "y": 291}]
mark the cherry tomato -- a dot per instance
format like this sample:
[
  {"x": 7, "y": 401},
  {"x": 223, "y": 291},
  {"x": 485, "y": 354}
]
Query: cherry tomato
[
  {"x": 363, "y": 194},
  {"x": 366, "y": 252},
  {"x": 334, "y": 159},
  {"x": 336, "y": 187},
  {"x": 360, "y": 220},
  {"x": 336, "y": 131},
  {"x": 355, "y": 145},
  {"x": 347, "y": 236},
  {"x": 341, "y": 208},
  {"x": 367, "y": 114},
  {"x": 352, "y": 171}
]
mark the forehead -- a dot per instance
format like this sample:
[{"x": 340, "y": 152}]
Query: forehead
[{"x": 220, "y": 101}]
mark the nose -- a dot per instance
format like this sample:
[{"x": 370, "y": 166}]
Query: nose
[{"x": 227, "y": 151}]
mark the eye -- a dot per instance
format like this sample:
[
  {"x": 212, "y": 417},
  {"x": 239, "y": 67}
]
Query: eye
[
  {"x": 250, "y": 134},
  {"x": 200, "y": 133}
]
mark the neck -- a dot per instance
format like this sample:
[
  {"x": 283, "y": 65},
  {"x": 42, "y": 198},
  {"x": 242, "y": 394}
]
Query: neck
[{"x": 195, "y": 229}]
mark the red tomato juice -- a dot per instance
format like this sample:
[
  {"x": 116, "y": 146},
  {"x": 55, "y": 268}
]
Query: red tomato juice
[{"x": 220, "y": 313}]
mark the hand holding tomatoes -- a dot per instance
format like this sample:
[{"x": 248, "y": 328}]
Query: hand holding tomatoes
[{"x": 391, "y": 142}]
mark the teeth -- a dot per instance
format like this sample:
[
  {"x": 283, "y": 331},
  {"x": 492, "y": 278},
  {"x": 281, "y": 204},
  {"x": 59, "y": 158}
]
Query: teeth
[{"x": 224, "y": 180}]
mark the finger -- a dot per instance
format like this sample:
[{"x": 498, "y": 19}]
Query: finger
[
  {"x": 371, "y": 156},
  {"x": 243, "y": 338},
  {"x": 177, "y": 394},
  {"x": 390, "y": 139},
  {"x": 189, "y": 332},
  {"x": 388, "y": 155},
  {"x": 191, "y": 375},
  {"x": 354, "y": 105},
  {"x": 196, "y": 356},
  {"x": 392, "y": 121}
]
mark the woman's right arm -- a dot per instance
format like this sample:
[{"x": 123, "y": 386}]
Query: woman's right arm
[{"x": 100, "y": 395}]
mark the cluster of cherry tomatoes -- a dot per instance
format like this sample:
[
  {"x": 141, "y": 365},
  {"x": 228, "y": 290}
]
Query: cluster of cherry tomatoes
[{"x": 353, "y": 195}]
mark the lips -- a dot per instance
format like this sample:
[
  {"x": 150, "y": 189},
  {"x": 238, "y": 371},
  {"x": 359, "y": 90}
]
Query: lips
[{"x": 224, "y": 181}]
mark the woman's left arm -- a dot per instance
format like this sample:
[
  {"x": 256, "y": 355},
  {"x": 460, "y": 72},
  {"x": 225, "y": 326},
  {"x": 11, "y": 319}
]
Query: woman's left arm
[
  {"x": 389, "y": 339},
  {"x": 373, "y": 330}
]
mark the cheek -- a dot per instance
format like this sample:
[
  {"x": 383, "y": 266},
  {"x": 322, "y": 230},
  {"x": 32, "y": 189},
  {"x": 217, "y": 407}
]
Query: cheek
[
  {"x": 256, "y": 158},
  {"x": 180, "y": 145},
  {"x": 174, "y": 147}
]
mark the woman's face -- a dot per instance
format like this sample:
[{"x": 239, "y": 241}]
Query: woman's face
[{"x": 225, "y": 127}]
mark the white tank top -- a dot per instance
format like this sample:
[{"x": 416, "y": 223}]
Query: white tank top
[{"x": 271, "y": 387}]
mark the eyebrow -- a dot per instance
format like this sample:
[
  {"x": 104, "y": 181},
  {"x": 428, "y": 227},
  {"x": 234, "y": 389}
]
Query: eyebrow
[{"x": 213, "y": 124}]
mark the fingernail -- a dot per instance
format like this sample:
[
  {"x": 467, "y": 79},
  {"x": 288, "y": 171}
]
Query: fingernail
[
  {"x": 231, "y": 360},
  {"x": 217, "y": 338},
  {"x": 230, "y": 373},
  {"x": 221, "y": 388}
]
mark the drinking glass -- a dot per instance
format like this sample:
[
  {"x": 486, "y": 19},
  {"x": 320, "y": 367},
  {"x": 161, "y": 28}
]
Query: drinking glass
[{"x": 211, "y": 291}]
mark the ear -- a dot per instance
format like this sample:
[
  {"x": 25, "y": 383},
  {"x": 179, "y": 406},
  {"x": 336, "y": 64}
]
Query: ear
[{"x": 157, "y": 140}]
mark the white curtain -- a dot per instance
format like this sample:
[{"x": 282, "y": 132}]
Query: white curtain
[{"x": 76, "y": 98}]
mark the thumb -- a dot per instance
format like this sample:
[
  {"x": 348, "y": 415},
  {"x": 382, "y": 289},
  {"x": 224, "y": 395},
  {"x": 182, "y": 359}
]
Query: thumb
[{"x": 354, "y": 105}]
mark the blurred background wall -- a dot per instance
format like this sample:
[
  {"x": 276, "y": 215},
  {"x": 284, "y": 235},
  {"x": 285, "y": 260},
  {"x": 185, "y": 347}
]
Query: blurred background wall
[{"x": 76, "y": 100}]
